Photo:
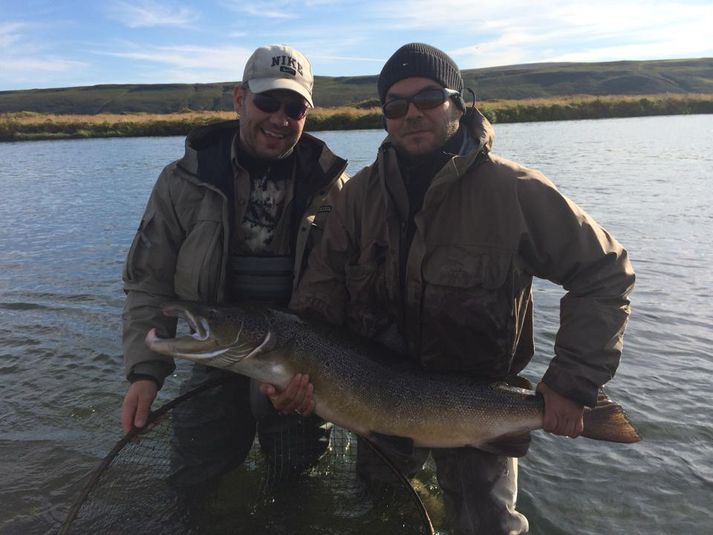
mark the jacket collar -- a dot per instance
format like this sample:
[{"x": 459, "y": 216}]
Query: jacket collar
[
  {"x": 476, "y": 144},
  {"x": 208, "y": 149}
]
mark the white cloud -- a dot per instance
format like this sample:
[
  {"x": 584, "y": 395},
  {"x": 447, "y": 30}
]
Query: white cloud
[
  {"x": 22, "y": 66},
  {"x": 10, "y": 33},
  {"x": 268, "y": 13},
  {"x": 458, "y": 15},
  {"x": 149, "y": 13},
  {"x": 26, "y": 61},
  {"x": 643, "y": 52},
  {"x": 320, "y": 3},
  {"x": 277, "y": 9},
  {"x": 341, "y": 38},
  {"x": 572, "y": 30},
  {"x": 191, "y": 63}
]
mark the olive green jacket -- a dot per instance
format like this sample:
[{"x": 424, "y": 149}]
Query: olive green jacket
[
  {"x": 487, "y": 226},
  {"x": 181, "y": 248}
]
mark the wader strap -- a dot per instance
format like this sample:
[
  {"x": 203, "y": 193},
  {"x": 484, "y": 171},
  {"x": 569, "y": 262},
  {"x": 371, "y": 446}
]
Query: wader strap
[{"x": 266, "y": 279}]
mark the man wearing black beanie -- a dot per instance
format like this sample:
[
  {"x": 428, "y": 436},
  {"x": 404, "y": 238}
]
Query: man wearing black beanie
[{"x": 432, "y": 250}]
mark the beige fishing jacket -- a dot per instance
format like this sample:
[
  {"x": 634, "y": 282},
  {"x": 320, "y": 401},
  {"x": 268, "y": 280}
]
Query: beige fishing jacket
[
  {"x": 487, "y": 226},
  {"x": 180, "y": 250}
]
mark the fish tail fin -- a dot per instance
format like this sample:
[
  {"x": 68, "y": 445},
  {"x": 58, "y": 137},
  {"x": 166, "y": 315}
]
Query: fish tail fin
[{"x": 609, "y": 422}]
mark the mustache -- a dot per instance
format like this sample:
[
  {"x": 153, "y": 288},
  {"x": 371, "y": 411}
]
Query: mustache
[{"x": 414, "y": 122}]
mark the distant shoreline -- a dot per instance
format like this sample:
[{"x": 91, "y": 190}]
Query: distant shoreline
[{"x": 28, "y": 126}]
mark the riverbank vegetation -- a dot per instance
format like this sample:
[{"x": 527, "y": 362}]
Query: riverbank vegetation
[
  {"x": 509, "y": 82},
  {"x": 21, "y": 126}
]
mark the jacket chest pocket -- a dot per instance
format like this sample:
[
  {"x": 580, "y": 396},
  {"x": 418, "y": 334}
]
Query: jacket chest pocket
[
  {"x": 200, "y": 258},
  {"x": 468, "y": 307},
  {"x": 140, "y": 248}
]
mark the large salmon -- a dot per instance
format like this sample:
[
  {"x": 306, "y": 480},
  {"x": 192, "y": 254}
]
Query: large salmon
[{"x": 358, "y": 385}]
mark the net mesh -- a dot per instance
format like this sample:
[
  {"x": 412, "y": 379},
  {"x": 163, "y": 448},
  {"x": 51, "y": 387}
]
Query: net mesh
[{"x": 131, "y": 492}]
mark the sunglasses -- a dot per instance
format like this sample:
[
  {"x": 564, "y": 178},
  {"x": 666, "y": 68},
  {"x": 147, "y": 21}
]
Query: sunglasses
[
  {"x": 294, "y": 109},
  {"x": 423, "y": 100}
]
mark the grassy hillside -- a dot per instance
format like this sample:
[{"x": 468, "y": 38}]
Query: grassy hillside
[
  {"x": 505, "y": 83},
  {"x": 25, "y": 126},
  {"x": 613, "y": 78}
]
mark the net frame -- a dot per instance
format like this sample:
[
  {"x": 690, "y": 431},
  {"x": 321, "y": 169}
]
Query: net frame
[{"x": 156, "y": 417}]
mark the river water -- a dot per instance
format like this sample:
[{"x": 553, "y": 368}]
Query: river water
[{"x": 68, "y": 212}]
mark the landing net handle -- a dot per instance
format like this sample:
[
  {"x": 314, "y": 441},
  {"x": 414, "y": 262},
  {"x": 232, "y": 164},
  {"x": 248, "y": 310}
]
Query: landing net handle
[{"x": 97, "y": 473}]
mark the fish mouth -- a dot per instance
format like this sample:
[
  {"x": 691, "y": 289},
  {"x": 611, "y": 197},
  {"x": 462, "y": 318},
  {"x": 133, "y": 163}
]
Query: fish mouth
[
  {"x": 201, "y": 343},
  {"x": 216, "y": 339},
  {"x": 199, "y": 325}
]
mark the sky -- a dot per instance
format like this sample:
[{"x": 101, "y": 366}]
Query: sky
[{"x": 60, "y": 43}]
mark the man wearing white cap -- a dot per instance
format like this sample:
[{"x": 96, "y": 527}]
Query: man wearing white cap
[{"x": 233, "y": 220}]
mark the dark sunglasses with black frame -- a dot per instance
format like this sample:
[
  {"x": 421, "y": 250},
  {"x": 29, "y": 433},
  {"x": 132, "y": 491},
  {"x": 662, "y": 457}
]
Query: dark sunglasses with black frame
[
  {"x": 295, "y": 109},
  {"x": 426, "y": 99}
]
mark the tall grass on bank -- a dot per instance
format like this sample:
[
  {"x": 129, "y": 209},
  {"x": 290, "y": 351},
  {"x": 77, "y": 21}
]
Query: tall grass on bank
[
  {"x": 31, "y": 125},
  {"x": 589, "y": 107},
  {"x": 23, "y": 126}
]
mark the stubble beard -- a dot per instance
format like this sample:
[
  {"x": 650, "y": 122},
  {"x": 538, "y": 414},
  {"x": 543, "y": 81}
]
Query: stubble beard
[{"x": 440, "y": 138}]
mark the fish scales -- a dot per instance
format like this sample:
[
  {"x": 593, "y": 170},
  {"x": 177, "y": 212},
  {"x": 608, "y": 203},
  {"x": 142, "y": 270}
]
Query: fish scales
[
  {"x": 364, "y": 387},
  {"x": 453, "y": 408}
]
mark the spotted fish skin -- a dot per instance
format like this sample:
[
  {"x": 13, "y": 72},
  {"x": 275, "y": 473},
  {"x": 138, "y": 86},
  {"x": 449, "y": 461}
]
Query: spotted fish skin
[{"x": 364, "y": 387}]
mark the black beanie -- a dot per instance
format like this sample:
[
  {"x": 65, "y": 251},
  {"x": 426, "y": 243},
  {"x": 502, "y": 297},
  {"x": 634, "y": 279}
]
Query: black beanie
[{"x": 418, "y": 59}]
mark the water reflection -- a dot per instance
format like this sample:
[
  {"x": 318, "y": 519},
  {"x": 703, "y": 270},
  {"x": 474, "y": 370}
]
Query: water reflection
[{"x": 69, "y": 210}]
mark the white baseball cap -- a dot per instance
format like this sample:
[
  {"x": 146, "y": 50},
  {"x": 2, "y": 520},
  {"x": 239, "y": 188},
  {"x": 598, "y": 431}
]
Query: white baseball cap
[{"x": 279, "y": 67}]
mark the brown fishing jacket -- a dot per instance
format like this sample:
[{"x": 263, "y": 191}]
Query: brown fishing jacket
[
  {"x": 180, "y": 250},
  {"x": 487, "y": 226}
]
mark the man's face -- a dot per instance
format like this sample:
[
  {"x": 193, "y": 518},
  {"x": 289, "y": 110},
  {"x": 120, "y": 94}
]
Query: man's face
[
  {"x": 268, "y": 135},
  {"x": 420, "y": 132}
]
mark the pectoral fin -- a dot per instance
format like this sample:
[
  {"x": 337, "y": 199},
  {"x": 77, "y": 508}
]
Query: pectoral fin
[
  {"x": 520, "y": 382},
  {"x": 514, "y": 445},
  {"x": 389, "y": 444}
]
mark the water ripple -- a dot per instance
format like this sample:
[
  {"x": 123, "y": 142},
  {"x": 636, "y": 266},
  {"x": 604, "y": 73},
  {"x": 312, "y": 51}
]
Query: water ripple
[{"x": 60, "y": 312}]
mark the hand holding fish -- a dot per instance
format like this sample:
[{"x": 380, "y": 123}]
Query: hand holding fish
[
  {"x": 296, "y": 397},
  {"x": 562, "y": 415}
]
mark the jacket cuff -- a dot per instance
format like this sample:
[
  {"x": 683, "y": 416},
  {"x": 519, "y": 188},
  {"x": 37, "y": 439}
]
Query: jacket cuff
[
  {"x": 157, "y": 371},
  {"x": 577, "y": 389}
]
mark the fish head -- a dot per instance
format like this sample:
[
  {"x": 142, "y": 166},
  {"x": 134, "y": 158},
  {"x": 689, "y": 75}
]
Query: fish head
[{"x": 213, "y": 331}]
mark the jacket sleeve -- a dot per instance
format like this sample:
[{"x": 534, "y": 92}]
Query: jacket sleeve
[
  {"x": 565, "y": 245},
  {"x": 322, "y": 291},
  {"x": 148, "y": 283}
]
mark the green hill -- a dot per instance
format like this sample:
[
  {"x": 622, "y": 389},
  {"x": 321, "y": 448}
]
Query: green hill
[
  {"x": 613, "y": 78},
  {"x": 541, "y": 80}
]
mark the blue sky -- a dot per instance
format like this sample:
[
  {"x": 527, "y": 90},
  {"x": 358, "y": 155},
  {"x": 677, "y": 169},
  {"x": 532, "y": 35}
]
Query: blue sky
[{"x": 63, "y": 43}]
